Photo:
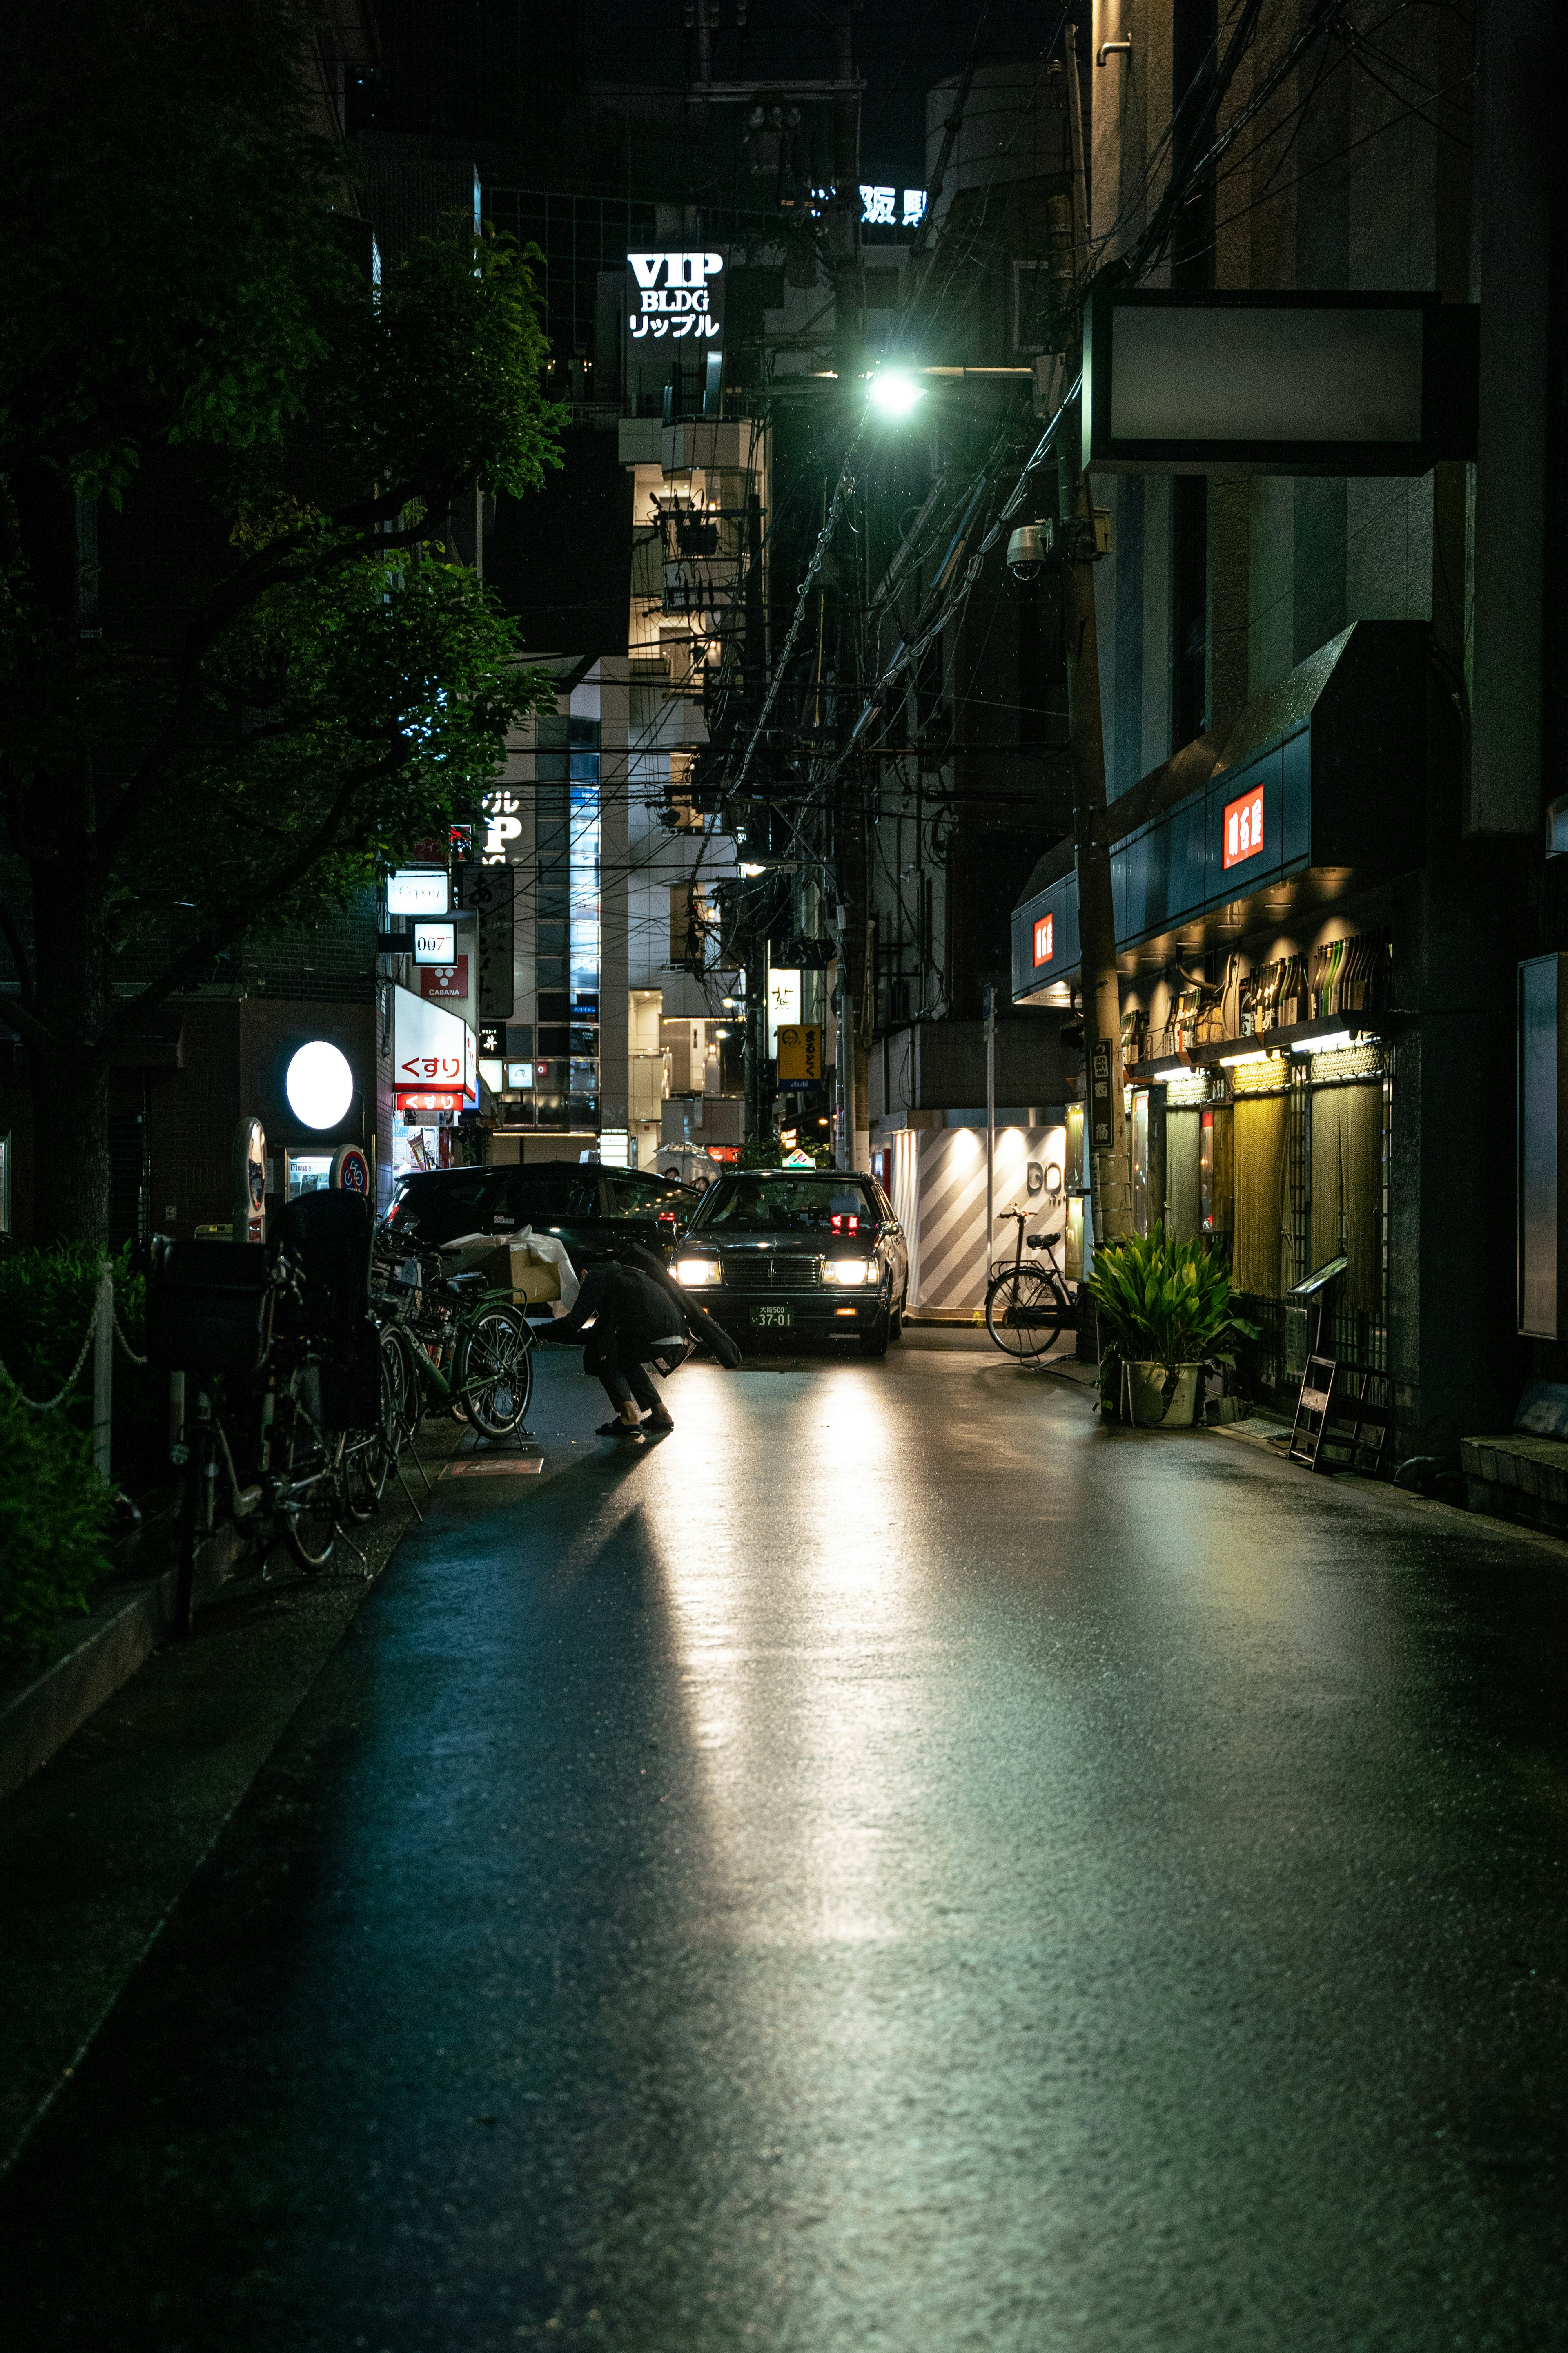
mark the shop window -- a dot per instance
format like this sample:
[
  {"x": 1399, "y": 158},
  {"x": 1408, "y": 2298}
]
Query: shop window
[{"x": 309, "y": 1172}]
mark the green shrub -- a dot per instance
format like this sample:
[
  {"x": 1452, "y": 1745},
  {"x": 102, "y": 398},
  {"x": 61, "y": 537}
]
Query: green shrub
[
  {"x": 46, "y": 1299},
  {"x": 54, "y": 1525},
  {"x": 1161, "y": 1302}
]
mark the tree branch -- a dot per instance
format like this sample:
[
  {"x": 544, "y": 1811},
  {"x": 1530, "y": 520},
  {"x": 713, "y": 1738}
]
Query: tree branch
[
  {"x": 270, "y": 568},
  {"x": 230, "y": 921}
]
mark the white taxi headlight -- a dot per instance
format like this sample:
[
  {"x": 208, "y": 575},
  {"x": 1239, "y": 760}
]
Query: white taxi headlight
[
  {"x": 850, "y": 1270},
  {"x": 692, "y": 1272}
]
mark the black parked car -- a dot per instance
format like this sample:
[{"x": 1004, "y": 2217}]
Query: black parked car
[
  {"x": 808, "y": 1252},
  {"x": 590, "y": 1207}
]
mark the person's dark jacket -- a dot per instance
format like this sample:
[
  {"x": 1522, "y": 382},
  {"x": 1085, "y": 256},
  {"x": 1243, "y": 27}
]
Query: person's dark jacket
[
  {"x": 693, "y": 1319},
  {"x": 633, "y": 1302}
]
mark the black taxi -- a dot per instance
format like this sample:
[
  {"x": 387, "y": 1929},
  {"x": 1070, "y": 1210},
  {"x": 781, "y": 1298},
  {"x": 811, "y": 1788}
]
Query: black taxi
[{"x": 798, "y": 1254}]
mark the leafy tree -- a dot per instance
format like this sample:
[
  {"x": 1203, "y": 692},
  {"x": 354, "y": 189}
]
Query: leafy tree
[{"x": 193, "y": 356}]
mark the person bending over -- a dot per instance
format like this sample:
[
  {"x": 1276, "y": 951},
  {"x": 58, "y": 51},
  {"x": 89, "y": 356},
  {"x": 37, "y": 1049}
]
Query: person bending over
[{"x": 636, "y": 1318}]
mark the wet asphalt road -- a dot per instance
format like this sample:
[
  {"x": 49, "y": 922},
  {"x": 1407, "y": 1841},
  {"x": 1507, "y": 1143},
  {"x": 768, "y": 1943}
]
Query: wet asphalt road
[{"x": 891, "y": 1868}]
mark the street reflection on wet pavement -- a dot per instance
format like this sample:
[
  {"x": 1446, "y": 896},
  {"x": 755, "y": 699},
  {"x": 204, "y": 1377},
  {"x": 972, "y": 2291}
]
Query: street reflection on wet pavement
[{"x": 891, "y": 1865}]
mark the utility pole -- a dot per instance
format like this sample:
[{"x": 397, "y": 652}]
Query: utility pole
[
  {"x": 1105, "y": 1111},
  {"x": 844, "y": 1058},
  {"x": 990, "y": 995}
]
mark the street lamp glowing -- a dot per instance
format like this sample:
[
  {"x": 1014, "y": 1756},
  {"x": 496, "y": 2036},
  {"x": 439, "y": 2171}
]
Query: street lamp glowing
[{"x": 893, "y": 392}]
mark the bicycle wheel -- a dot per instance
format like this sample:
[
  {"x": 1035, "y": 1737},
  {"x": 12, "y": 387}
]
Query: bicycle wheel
[
  {"x": 195, "y": 1520},
  {"x": 311, "y": 1524},
  {"x": 370, "y": 1455},
  {"x": 407, "y": 1391},
  {"x": 1023, "y": 1312},
  {"x": 493, "y": 1370}
]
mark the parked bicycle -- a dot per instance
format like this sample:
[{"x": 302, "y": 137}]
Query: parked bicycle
[
  {"x": 452, "y": 1342},
  {"x": 289, "y": 1427},
  {"x": 1026, "y": 1304}
]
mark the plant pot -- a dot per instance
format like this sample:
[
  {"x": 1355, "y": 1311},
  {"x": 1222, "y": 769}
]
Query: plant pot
[{"x": 1149, "y": 1384}]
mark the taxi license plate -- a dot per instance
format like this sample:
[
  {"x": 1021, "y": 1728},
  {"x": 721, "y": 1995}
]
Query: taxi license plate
[{"x": 776, "y": 1319}]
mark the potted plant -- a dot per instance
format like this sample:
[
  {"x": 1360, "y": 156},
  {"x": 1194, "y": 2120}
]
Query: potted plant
[{"x": 1163, "y": 1307}]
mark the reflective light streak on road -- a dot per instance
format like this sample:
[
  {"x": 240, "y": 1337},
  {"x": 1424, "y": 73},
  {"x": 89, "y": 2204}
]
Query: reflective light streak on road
[{"x": 788, "y": 1651}]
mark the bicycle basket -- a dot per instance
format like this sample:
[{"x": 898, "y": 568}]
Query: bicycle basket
[
  {"x": 327, "y": 1238},
  {"x": 206, "y": 1308}
]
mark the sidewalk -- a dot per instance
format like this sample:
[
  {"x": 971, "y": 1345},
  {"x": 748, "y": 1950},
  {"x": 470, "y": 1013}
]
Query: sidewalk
[{"x": 96, "y": 1846}]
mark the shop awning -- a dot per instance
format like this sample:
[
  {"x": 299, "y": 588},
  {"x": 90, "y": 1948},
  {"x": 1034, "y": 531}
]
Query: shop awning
[{"x": 1319, "y": 790}]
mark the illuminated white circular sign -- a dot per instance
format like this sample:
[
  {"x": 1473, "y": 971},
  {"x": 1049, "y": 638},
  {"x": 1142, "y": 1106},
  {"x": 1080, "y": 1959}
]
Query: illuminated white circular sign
[{"x": 319, "y": 1084}]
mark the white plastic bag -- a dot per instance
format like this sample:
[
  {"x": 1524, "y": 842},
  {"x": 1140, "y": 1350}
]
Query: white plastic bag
[{"x": 551, "y": 1248}]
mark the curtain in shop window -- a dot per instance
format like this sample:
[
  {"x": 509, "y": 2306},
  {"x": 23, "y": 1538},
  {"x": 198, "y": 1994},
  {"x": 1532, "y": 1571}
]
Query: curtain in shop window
[
  {"x": 1262, "y": 1261},
  {"x": 1347, "y": 1185},
  {"x": 1182, "y": 1198}
]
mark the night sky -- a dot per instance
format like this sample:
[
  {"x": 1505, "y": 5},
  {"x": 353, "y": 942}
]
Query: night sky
[{"x": 498, "y": 69}]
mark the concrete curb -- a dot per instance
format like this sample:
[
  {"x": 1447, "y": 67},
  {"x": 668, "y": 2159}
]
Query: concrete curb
[{"x": 96, "y": 1654}]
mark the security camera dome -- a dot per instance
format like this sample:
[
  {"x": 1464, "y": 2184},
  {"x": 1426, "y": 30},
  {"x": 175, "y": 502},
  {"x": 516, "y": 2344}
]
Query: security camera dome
[{"x": 1028, "y": 548}]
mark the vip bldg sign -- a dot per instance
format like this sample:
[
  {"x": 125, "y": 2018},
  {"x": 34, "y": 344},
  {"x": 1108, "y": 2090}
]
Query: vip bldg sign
[{"x": 676, "y": 296}]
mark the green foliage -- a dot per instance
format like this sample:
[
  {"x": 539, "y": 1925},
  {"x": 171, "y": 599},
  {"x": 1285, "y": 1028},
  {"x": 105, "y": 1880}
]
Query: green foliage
[
  {"x": 1161, "y": 1302},
  {"x": 166, "y": 241},
  {"x": 296, "y": 680},
  {"x": 47, "y": 1300},
  {"x": 54, "y": 1527},
  {"x": 439, "y": 380}
]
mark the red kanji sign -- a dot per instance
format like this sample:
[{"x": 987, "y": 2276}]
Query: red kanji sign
[{"x": 1243, "y": 827}]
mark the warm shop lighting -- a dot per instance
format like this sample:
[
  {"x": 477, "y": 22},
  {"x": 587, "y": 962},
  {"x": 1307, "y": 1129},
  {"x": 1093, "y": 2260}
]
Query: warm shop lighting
[
  {"x": 893, "y": 392},
  {"x": 691, "y": 1273},
  {"x": 848, "y": 1269},
  {"x": 1234, "y": 1061},
  {"x": 1329, "y": 1045}
]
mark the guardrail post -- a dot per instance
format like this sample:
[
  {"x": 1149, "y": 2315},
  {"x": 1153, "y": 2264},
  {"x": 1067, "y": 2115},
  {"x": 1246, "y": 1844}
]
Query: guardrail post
[{"x": 104, "y": 1371}]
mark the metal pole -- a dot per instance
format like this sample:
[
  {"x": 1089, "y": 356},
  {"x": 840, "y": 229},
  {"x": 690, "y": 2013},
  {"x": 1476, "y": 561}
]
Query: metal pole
[
  {"x": 103, "y": 1370},
  {"x": 844, "y": 1143},
  {"x": 990, "y": 994},
  {"x": 1105, "y": 1117}
]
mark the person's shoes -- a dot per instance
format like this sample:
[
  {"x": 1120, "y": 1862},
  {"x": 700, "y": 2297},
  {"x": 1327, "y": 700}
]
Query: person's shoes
[
  {"x": 660, "y": 1420},
  {"x": 618, "y": 1430}
]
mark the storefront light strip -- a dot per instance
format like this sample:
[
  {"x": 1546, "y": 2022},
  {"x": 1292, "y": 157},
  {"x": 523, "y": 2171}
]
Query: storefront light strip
[{"x": 1331, "y": 1044}]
